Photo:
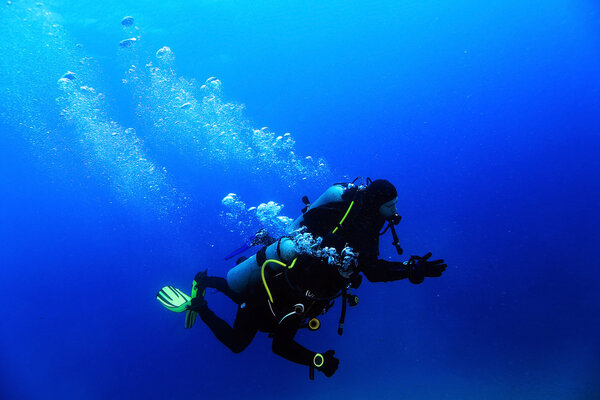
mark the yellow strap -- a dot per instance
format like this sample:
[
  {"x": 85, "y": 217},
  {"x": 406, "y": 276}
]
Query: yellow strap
[
  {"x": 293, "y": 263},
  {"x": 345, "y": 215},
  {"x": 262, "y": 273}
]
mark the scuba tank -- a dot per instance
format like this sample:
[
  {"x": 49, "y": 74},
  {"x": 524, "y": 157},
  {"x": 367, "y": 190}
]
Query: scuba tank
[
  {"x": 245, "y": 277},
  {"x": 332, "y": 195}
]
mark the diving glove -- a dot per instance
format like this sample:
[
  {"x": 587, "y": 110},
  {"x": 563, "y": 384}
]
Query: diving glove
[
  {"x": 420, "y": 267},
  {"x": 326, "y": 363}
]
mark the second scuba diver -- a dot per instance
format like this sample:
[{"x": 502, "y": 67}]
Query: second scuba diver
[
  {"x": 290, "y": 282},
  {"x": 359, "y": 214}
]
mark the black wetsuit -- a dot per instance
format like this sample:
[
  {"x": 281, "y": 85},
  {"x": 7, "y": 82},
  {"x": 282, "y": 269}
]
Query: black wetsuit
[
  {"x": 360, "y": 230},
  {"x": 255, "y": 312}
]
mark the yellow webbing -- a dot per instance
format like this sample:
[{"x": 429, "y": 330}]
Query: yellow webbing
[
  {"x": 293, "y": 263},
  {"x": 262, "y": 273},
  {"x": 344, "y": 217}
]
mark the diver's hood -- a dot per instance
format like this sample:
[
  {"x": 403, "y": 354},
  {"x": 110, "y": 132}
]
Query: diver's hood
[{"x": 379, "y": 192}]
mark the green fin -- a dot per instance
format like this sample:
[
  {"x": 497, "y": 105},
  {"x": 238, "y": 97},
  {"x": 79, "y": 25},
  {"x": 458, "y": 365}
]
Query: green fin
[
  {"x": 190, "y": 318},
  {"x": 173, "y": 299}
]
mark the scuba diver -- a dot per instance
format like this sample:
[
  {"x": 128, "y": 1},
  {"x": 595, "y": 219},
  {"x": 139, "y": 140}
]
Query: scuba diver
[
  {"x": 358, "y": 213},
  {"x": 279, "y": 290},
  {"x": 288, "y": 283}
]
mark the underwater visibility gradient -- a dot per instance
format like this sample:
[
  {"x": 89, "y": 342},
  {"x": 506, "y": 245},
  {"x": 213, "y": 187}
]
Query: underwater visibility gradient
[{"x": 142, "y": 142}]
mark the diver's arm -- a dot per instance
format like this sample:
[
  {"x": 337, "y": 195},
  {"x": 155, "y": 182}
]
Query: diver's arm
[
  {"x": 285, "y": 346},
  {"x": 385, "y": 271},
  {"x": 416, "y": 269}
]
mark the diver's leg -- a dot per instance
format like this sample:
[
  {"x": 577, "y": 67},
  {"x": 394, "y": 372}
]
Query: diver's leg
[
  {"x": 236, "y": 338},
  {"x": 221, "y": 285}
]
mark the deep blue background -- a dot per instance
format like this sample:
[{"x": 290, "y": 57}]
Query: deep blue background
[{"x": 485, "y": 116}]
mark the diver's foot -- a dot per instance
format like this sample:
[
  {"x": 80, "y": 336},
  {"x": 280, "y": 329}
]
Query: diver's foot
[
  {"x": 199, "y": 290},
  {"x": 197, "y": 304},
  {"x": 200, "y": 278}
]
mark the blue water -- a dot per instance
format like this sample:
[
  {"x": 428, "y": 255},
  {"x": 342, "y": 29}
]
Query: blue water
[{"x": 485, "y": 116}]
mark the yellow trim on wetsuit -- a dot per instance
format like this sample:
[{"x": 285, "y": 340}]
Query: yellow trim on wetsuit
[{"x": 344, "y": 217}]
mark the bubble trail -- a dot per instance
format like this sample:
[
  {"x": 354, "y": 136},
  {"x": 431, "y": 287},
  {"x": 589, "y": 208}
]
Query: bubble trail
[
  {"x": 237, "y": 217},
  {"x": 198, "y": 123},
  {"x": 116, "y": 152}
]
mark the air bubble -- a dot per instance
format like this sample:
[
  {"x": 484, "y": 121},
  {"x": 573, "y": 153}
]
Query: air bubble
[
  {"x": 165, "y": 54},
  {"x": 127, "y": 42},
  {"x": 127, "y": 21},
  {"x": 69, "y": 75}
]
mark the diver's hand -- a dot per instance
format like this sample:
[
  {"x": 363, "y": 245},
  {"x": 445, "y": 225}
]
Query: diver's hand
[
  {"x": 421, "y": 267},
  {"x": 433, "y": 268},
  {"x": 326, "y": 363}
]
